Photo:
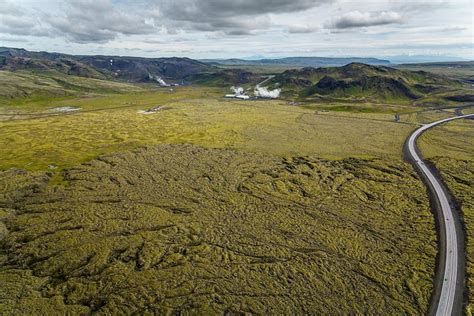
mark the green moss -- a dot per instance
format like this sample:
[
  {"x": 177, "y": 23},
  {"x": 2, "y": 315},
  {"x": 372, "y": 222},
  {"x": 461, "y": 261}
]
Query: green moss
[{"x": 191, "y": 230}]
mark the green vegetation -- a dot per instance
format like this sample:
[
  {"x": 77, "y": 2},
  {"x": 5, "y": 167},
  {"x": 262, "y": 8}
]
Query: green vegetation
[
  {"x": 181, "y": 229},
  {"x": 461, "y": 69},
  {"x": 209, "y": 205},
  {"x": 129, "y": 69},
  {"x": 363, "y": 82},
  {"x": 454, "y": 140},
  {"x": 449, "y": 147},
  {"x": 459, "y": 176},
  {"x": 225, "y": 78},
  {"x": 18, "y": 86},
  {"x": 193, "y": 116}
]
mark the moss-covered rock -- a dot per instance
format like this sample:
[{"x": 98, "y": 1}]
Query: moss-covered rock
[{"x": 180, "y": 228}]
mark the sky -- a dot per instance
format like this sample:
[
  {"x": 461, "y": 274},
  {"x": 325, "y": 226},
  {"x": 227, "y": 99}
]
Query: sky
[{"x": 241, "y": 28}]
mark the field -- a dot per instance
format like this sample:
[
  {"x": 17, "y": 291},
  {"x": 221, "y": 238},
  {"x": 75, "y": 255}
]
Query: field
[
  {"x": 196, "y": 116},
  {"x": 210, "y": 205}
]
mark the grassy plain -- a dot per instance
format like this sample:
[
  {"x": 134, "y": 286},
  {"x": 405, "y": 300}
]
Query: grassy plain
[
  {"x": 197, "y": 116},
  {"x": 453, "y": 140}
]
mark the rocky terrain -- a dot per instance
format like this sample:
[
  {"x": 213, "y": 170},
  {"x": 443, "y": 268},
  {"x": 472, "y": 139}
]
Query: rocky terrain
[{"x": 178, "y": 229}]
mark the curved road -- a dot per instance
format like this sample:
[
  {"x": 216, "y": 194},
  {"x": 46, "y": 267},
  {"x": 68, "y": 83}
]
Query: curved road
[{"x": 449, "y": 290}]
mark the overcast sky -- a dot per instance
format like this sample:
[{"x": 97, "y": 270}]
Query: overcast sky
[{"x": 241, "y": 28}]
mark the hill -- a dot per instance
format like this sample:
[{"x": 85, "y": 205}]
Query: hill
[
  {"x": 139, "y": 69},
  {"x": 20, "y": 85},
  {"x": 359, "y": 81},
  {"x": 224, "y": 78},
  {"x": 131, "y": 69}
]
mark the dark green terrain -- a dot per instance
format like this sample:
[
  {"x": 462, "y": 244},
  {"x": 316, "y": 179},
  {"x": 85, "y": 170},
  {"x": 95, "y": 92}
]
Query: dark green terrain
[
  {"x": 224, "y": 78},
  {"x": 131, "y": 69},
  {"x": 362, "y": 82}
]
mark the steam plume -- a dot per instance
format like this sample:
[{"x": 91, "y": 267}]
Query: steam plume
[{"x": 263, "y": 92}]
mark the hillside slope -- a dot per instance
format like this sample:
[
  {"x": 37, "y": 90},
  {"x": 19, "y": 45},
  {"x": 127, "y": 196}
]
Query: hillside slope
[
  {"x": 20, "y": 85},
  {"x": 360, "y": 81},
  {"x": 146, "y": 69},
  {"x": 132, "y": 69},
  {"x": 224, "y": 78}
]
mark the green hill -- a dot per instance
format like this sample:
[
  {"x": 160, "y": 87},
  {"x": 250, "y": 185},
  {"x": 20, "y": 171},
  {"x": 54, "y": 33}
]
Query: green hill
[
  {"x": 224, "y": 78},
  {"x": 130, "y": 69},
  {"x": 360, "y": 81},
  {"x": 25, "y": 84},
  {"x": 62, "y": 65}
]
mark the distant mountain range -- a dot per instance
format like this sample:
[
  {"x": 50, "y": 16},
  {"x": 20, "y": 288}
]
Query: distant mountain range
[
  {"x": 298, "y": 61},
  {"x": 330, "y": 61},
  {"x": 309, "y": 77}
]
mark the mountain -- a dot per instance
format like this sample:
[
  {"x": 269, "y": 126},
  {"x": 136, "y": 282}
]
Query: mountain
[
  {"x": 225, "y": 78},
  {"x": 298, "y": 62},
  {"x": 131, "y": 69},
  {"x": 359, "y": 81},
  {"x": 145, "y": 69}
]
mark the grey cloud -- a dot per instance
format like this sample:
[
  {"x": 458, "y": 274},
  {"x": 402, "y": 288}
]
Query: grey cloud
[
  {"x": 194, "y": 9},
  {"x": 237, "y": 17},
  {"x": 302, "y": 29},
  {"x": 10, "y": 8},
  {"x": 100, "y": 21},
  {"x": 419, "y": 5},
  {"x": 85, "y": 21},
  {"x": 13, "y": 40},
  {"x": 17, "y": 20},
  {"x": 356, "y": 19}
]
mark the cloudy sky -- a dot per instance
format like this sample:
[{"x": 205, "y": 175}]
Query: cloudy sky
[{"x": 241, "y": 28}]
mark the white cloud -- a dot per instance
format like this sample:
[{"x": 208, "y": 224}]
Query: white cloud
[{"x": 302, "y": 29}]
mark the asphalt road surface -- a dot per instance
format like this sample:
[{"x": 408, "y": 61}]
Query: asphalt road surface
[{"x": 449, "y": 298}]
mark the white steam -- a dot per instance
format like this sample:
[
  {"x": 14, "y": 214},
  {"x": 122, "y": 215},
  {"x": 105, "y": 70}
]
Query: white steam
[
  {"x": 237, "y": 90},
  {"x": 160, "y": 80},
  {"x": 263, "y": 92}
]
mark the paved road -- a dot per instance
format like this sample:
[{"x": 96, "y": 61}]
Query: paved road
[{"x": 451, "y": 286}]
